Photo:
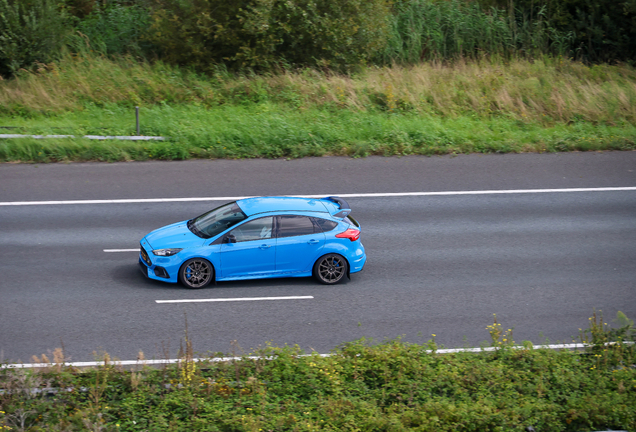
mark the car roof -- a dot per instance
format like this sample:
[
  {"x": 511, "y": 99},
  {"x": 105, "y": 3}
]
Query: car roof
[{"x": 252, "y": 206}]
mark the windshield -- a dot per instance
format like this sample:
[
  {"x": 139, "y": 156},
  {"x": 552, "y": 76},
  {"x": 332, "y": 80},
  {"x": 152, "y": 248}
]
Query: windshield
[{"x": 216, "y": 221}]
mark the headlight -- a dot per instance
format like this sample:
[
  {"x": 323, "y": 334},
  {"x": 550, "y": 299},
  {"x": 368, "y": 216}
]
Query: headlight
[{"x": 166, "y": 252}]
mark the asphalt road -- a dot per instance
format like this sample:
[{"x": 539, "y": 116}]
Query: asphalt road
[{"x": 437, "y": 264}]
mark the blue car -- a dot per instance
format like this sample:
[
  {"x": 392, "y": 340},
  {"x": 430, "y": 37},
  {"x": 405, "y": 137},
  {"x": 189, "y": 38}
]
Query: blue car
[{"x": 257, "y": 238}]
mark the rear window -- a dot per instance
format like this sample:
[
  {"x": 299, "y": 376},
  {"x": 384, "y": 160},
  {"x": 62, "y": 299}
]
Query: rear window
[{"x": 325, "y": 225}]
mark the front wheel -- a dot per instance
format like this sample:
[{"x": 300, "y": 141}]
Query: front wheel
[
  {"x": 330, "y": 269},
  {"x": 196, "y": 273}
]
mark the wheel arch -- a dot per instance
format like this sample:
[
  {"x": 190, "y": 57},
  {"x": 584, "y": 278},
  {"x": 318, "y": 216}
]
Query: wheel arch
[{"x": 213, "y": 281}]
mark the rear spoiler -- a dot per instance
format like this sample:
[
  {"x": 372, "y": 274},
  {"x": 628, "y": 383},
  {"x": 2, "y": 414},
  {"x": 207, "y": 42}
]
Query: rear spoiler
[{"x": 345, "y": 209}]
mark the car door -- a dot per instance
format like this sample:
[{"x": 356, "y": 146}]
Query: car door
[
  {"x": 253, "y": 254},
  {"x": 298, "y": 244}
]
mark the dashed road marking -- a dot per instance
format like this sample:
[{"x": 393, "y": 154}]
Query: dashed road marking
[{"x": 237, "y": 299}]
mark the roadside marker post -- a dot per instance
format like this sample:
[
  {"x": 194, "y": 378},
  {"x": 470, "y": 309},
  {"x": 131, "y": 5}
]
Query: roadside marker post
[{"x": 137, "y": 117}]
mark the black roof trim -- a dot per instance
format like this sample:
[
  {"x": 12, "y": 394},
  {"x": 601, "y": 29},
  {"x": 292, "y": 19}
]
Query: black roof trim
[
  {"x": 345, "y": 209},
  {"x": 342, "y": 203}
]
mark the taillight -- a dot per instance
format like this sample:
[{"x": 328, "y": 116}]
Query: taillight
[{"x": 351, "y": 234}]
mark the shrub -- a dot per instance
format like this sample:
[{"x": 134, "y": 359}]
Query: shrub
[
  {"x": 391, "y": 386},
  {"x": 117, "y": 28},
  {"x": 605, "y": 30},
  {"x": 434, "y": 30},
  {"x": 30, "y": 31},
  {"x": 260, "y": 34},
  {"x": 602, "y": 31}
]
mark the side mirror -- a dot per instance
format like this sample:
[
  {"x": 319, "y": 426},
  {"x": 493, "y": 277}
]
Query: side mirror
[{"x": 230, "y": 238}]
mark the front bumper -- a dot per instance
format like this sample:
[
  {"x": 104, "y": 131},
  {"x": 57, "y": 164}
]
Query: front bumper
[{"x": 166, "y": 272}]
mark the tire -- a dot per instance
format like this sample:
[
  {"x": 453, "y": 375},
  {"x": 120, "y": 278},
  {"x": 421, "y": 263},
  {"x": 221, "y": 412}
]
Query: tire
[
  {"x": 196, "y": 273},
  {"x": 330, "y": 269}
]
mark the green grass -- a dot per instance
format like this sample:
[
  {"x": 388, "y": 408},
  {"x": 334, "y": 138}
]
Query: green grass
[
  {"x": 266, "y": 130},
  {"x": 391, "y": 386},
  {"x": 521, "y": 106}
]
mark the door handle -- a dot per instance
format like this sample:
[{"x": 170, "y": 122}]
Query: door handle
[
  {"x": 313, "y": 241},
  {"x": 264, "y": 246}
]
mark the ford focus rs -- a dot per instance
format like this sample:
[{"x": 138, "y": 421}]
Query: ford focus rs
[{"x": 257, "y": 238}]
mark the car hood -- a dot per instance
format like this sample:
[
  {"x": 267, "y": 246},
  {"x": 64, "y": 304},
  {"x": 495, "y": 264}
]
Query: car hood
[{"x": 176, "y": 235}]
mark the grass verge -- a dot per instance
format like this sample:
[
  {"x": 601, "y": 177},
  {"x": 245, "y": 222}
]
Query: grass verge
[
  {"x": 392, "y": 386},
  {"x": 434, "y": 108},
  {"x": 267, "y": 130}
]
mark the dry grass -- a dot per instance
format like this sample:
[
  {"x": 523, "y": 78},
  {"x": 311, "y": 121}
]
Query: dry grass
[{"x": 545, "y": 91}]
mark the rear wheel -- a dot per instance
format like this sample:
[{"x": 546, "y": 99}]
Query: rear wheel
[
  {"x": 330, "y": 269},
  {"x": 196, "y": 273}
]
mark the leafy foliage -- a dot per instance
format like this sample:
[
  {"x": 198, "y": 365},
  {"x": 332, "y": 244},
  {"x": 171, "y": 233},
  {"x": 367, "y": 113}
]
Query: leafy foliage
[
  {"x": 338, "y": 35},
  {"x": 436, "y": 30},
  {"x": 30, "y": 31},
  {"x": 601, "y": 30},
  {"x": 392, "y": 386},
  {"x": 605, "y": 30},
  {"x": 261, "y": 34},
  {"x": 116, "y": 28}
]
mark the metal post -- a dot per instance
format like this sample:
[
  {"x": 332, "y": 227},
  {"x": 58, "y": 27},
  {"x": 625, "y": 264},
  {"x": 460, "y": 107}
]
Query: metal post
[{"x": 137, "y": 115}]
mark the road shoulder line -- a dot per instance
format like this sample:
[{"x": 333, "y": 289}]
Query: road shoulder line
[{"x": 352, "y": 195}]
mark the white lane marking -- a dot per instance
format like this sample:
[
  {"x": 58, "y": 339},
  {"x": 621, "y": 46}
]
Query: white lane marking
[
  {"x": 121, "y": 201},
  {"x": 359, "y": 195},
  {"x": 121, "y": 250},
  {"x": 482, "y": 192},
  {"x": 573, "y": 346},
  {"x": 237, "y": 299},
  {"x": 91, "y": 137}
]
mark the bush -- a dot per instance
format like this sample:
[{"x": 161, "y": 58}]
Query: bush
[
  {"x": 117, "y": 28},
  {"x": 391, "y": 386},
  {"x": 30, "y": 31},
  {"x": 436, "y": 30},
  {"x": 605, "y": 30},
  {"x": 601, "y": 31},
  {"x": 260, "y": 34}
]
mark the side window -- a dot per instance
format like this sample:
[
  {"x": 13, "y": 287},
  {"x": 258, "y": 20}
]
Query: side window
[
  {"x": 325, "y": 225},
  {"x": 259, "y": 229},
  {"x": 290, "y": 226}
]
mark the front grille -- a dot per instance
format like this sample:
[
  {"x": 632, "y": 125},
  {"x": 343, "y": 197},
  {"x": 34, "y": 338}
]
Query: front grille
[
  {"x": 145, "y": 257},
  {"x": 143, "y": 268}
]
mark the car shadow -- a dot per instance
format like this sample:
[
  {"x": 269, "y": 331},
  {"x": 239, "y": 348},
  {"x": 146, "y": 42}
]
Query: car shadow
[{"x": 130, "y": 274}]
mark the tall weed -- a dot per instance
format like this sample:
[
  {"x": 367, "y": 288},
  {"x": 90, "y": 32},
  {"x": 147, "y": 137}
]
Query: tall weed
[
  {"x": 546, "y": 91},
  {"x": 117, "y": 28},
  {"x": 445, "y": 30}
]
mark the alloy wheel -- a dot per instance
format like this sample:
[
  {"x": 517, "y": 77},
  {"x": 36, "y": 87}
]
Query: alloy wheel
[
  {"x": 331, "y": 269},
  {"x": 196, "y": 273}
]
